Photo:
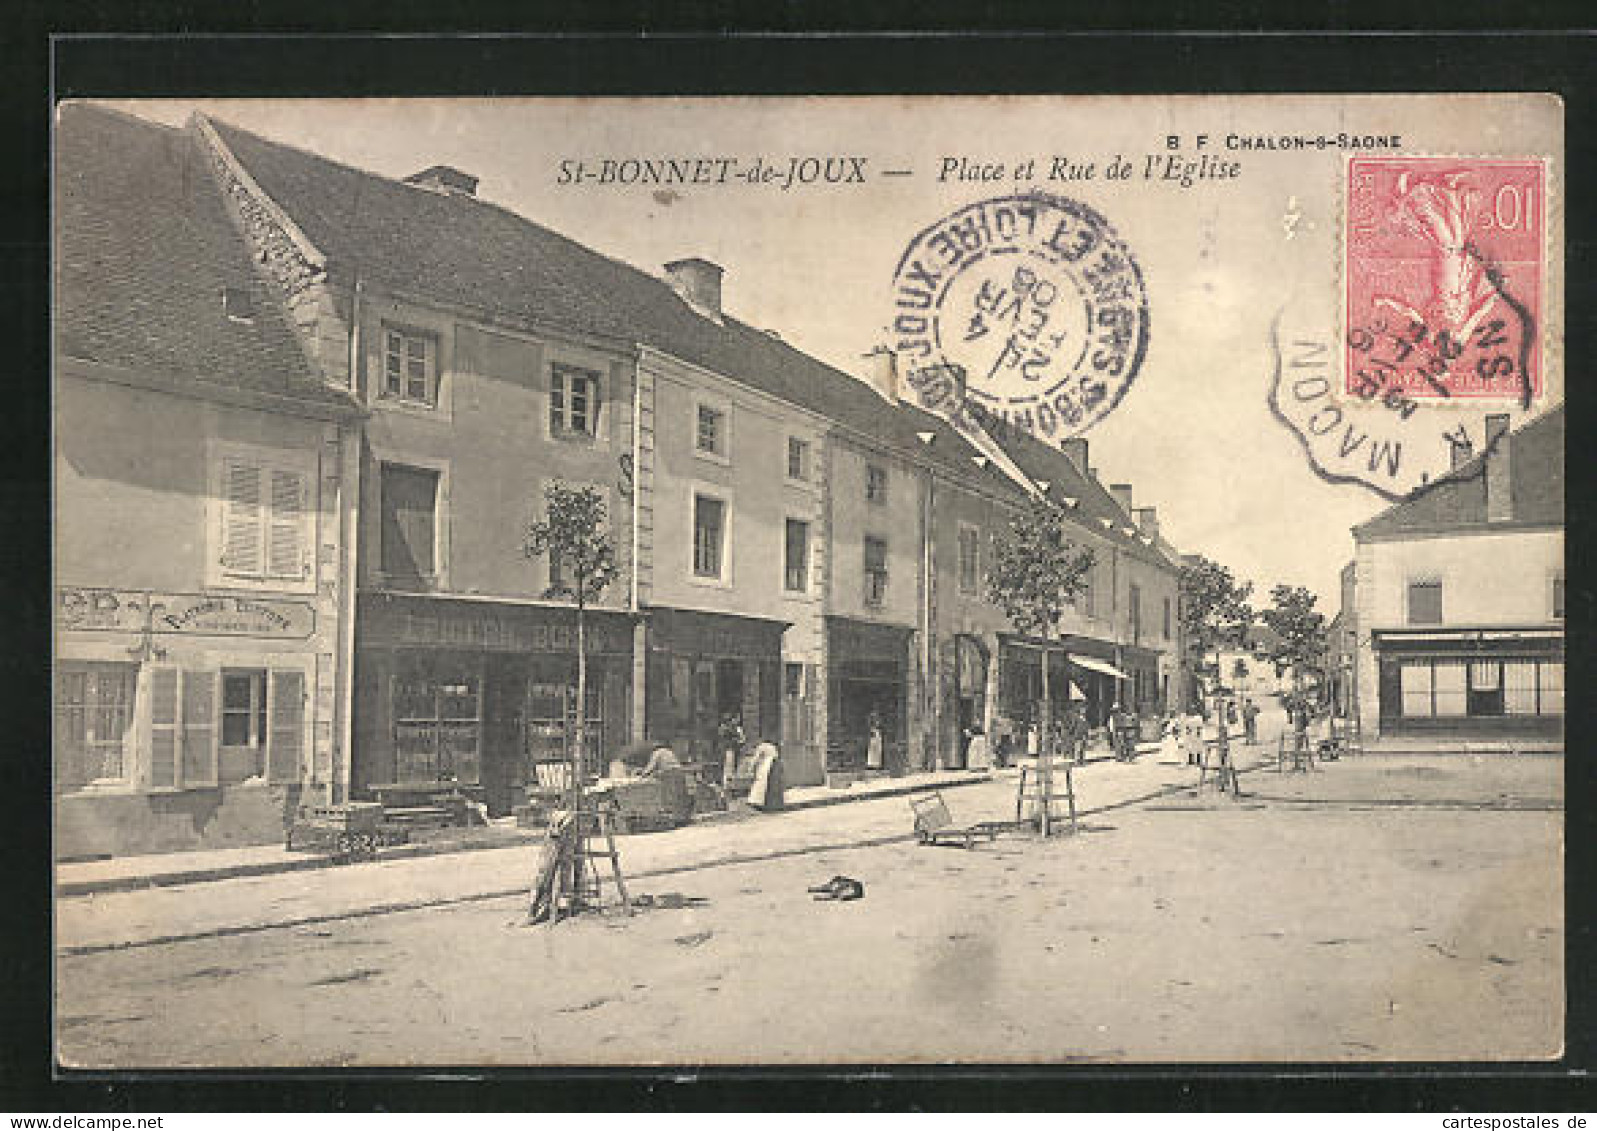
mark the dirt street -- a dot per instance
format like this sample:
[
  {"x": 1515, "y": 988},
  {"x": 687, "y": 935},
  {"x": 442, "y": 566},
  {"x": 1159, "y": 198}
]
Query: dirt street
[{"x": 1386, "y": 909}]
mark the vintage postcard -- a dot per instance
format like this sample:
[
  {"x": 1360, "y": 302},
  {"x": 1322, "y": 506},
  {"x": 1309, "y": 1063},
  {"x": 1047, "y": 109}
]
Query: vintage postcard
[{"x": 808, "y": 581}]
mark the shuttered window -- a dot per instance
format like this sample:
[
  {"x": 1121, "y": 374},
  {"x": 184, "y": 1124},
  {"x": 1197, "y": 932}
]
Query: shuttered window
[
  {"x": 185, "y": 717},
  {"x": 163, "y": 766},
  {"x": 285, "y": 728},
  {"x": 410, "y": 522},
  {"x": 1425, "y": 601},
  {"x": 969, "y": 559},
  {"x": 265, "y": 513},
  {"x": 200, "y": 717}
]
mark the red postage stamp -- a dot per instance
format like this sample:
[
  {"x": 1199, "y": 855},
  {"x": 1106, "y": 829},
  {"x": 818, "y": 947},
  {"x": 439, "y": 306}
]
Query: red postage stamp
[{"x": 1444, "y": 273}]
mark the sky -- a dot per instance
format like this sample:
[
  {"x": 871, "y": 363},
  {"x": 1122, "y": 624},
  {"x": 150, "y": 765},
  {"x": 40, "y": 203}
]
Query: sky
[{"x": 1219, "y": 253}]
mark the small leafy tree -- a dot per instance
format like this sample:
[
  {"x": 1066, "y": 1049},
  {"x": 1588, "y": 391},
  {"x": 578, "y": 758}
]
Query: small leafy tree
[
  {"x": 582, "y": 564},
  {"x": 1214, "y": 610},
  {"x": 1239, "y": 671},
  {"x": 1036, "y": 570},
  {"x": 1302, "y": 641}
]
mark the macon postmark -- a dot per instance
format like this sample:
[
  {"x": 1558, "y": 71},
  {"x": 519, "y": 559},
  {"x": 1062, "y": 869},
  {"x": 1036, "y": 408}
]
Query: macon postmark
[
  {"x": 1443, "y": 275},
  {"x": 1029, "y": 308}
]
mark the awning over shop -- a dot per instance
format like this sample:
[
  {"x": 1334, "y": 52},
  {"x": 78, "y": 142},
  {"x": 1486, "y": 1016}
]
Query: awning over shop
[{"x": 1098, "y": 666}]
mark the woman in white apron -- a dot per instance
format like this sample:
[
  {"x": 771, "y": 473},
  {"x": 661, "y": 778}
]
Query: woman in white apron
[{"x": 768, "y": 788}]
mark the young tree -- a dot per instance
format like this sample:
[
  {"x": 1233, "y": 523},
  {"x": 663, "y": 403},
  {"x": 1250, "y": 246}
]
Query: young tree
[
  {"x": 1302, "y": 640},
  {"x": 1036, "y": 570},
  {"x": 1214, "y": 609},
  {"x": 582, "y": 563}
]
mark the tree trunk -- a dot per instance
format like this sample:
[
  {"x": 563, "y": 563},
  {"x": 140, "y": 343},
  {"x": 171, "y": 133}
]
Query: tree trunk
[
  {"x": 1045, "y": 756},
  {"x": 579, "y": 738}
]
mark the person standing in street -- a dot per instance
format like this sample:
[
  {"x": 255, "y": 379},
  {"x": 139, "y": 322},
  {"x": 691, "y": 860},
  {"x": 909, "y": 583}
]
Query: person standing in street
[
  {"x": 1250, "y": 722},
  {"x": 874, "y": 744}
]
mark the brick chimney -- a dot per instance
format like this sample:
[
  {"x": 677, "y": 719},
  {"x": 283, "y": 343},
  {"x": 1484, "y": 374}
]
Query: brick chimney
[
  {"x": 1459, "y": 451},
  {"x": 444, "y": 178},
  {"x": 1148, "y": 521},
  {"x": 1499, "y": 482},
  {"x": 1076, "y": 449},
  {"x": 698, "y": 282},
  {"x": 1122, "y": 495}
]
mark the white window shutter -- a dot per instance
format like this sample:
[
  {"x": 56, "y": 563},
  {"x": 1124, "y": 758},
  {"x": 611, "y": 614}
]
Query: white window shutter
[
  {"x": 285, "y": 726},
  {"x": 201, "y": 730},
  {"x": 162, "y": 770},
  {"x": 285, "y": 540},
  {"x": 242, "y": 551}
]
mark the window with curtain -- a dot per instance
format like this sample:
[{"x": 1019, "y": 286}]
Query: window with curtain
[
  {"x": 1519, "y": 687},
  {"x": 796, "y": 565},
  {"x": 1451, "y": 697},
  {"x": 1415, "y": 682},
  {"x": 709, "y": 533}
]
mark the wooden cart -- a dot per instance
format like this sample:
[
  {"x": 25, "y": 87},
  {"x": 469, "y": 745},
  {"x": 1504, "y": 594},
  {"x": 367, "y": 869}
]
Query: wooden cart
[{"x": 934, "y": 824}]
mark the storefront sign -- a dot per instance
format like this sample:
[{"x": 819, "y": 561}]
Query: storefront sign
[
  {"x": 504, "y": 629},
  {"x": 188, "y": 614},
  {"x": 702, "y": 634}
]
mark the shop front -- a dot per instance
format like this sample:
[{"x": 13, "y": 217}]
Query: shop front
[
  {"x": 708, "y": 673},
  {"x": 867, "y": 687},
  {"x": 1477, "y": 683},
  {"x": 963, "y": 666},
  {"x": 476, "y": 694},
  {"x": 1020, "y": 691},
  {"x": 187, "y": 720}
]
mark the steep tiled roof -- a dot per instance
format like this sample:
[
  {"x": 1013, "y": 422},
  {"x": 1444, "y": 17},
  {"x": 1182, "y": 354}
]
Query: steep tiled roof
[
  {"x": 144, "y": 252},
  {"x": 1094, "y": 504},
  {"x": 472, "y": 253},
  {"x": 1458, "y": 499}
]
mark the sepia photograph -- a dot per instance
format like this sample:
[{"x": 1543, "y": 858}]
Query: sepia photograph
[{"x": 808, "y": 581}]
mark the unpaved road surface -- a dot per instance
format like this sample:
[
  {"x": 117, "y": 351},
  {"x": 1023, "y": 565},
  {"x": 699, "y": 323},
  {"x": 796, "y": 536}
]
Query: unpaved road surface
[{"x": 1379, "y": 910}]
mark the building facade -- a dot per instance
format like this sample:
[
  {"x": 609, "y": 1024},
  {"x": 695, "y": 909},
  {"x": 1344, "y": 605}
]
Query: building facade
[
  {"x": 202, "y": 475},
  {"x": 1460, "y": 595},
  {"x": 797, "y": 555}
]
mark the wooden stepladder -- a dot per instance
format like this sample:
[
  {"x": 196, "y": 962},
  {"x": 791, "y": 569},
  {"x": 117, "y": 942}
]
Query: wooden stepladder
[
  {"x": 585, "y": 837},
  {"x": 1032, "y": 790},
  {"x": 1217, "y": 769}
]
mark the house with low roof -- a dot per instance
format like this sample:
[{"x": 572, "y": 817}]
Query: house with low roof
[{"x": 1460, "y": 595}]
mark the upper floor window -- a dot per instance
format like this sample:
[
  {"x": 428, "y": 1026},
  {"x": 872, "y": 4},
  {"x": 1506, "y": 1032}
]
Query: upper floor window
[
  {"x": 875, "y": 571},
  {"x": 798, "y": 458},
  {"x": 1135, "y": 603},
  {"x": 1425, "y": 601},
  {"x": 265, "y": 521},
  {"x": 409, "y": 522},
  {"x": 875, "y": 483},
  {"x": 410, "y": 367},
  {"x": 710, "y": 437},
  {"x": 969, "y": 559},
  {"x": 796, "y": 557},
  {"x": 573, "y": 401},
  {"x": 1558, "y": 596},
  {"x": 1167, "y": 618},
  {"x": 709, "y": 535}
]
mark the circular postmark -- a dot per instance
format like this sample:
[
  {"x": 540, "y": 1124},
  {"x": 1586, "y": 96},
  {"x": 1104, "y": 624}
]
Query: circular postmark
[{"x": 1027, "y": 309}]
